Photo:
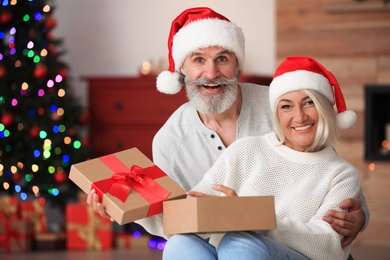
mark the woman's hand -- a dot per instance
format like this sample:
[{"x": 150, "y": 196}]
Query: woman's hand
[
  {"x": 93, "y": 200},
  {"x": 218, "y": 187}
]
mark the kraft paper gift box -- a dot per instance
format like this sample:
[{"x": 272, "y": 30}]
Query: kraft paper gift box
[
  {"x": 129, "y": 185},
  {"x": 219, "y": 214},
  {"x": 16, "y": 235},
  {"x": 86, "y": 229}
]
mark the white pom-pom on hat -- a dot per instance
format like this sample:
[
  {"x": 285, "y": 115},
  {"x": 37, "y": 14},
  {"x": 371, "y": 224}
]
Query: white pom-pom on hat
[
  {"x": 194, "y": 29},
  {"x": 168, "y": 82},
  {"x": 346, "y": 119},
  {"x": 300, "y": 72}
]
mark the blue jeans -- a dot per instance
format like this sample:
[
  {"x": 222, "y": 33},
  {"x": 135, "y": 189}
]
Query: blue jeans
[{"x": 234, "y": 245}]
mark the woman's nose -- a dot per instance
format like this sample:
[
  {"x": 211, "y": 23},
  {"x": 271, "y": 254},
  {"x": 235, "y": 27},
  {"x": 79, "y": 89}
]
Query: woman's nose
[{"x": 300, "y": 115}]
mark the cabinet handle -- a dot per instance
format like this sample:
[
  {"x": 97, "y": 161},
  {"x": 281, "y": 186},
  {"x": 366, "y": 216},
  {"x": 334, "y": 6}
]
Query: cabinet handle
[
  {"x": 119, "y": 145},
  {"x": 119, "y": 105}
]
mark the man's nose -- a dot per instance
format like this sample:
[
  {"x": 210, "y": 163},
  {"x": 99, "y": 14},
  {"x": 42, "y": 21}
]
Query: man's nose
[{"x": 211, "y": 70}]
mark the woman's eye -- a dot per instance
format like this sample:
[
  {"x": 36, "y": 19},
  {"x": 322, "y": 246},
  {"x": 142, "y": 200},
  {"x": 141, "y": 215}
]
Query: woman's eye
[
  {"x": 285, "y": 106},
  {"x": 309, "y": 103}
]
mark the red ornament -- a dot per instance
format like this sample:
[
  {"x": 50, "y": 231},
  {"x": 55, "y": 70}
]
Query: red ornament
[
  {"x": 7, "y": 119},
  {"x": 16, "y": 177},
  {"x": 50, "y": 23},
  {"x": 3, "y": 71},
  {"x": 31, "y": 33},
  {"x": 52, "y": 50},
  {"x": 60, "y": 177},
  {"x": 5, "y": 17},
  {"x": 50, "y": 36},
  {"x": 34, "y": 131},
  {"x": 40, "y": 71},
  {"x": 85, "y": 142},
  {"x": 63, "y": 72}
]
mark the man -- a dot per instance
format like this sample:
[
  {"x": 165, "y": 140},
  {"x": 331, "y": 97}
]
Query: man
[{"x": 206, "y": 54}]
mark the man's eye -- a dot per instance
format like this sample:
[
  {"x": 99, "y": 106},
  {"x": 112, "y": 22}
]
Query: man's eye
[
  {"x": 222, "y": 59},
  {"x": 198, "y": 60}
]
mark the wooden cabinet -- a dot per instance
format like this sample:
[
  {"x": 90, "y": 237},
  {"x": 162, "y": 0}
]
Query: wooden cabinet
[{"x": 127, "y": 112}]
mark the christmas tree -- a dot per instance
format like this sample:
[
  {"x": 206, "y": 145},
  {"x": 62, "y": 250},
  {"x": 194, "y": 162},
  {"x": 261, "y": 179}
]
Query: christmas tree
[{"x": 41, "y": 121}]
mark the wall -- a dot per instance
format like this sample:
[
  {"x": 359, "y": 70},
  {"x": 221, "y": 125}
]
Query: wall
[
  {"x": 351, "y": 39},
  {"x": 115, "y": 37}
]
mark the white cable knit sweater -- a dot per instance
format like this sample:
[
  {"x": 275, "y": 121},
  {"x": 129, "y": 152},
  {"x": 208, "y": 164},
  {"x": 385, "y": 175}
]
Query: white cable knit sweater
[{"x": 305, "y": 186}]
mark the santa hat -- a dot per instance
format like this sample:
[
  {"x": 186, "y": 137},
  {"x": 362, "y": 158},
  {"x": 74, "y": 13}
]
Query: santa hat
[
  {"x": 194, "y": 29},
  {"x": 297, "y": 73}
]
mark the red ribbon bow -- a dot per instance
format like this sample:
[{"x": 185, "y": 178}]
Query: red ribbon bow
[{"x": 140, "y": 179}]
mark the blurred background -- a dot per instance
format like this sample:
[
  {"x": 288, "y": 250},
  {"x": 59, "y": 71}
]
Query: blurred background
[{"x": 107, "y": 54}]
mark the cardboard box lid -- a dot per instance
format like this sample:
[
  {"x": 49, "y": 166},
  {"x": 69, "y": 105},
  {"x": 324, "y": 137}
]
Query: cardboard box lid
[{"x": 219, "y": 214}]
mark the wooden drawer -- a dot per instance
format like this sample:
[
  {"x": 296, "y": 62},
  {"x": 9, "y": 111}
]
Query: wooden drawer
[
  {"x": 131, "y": 102},
  {"x": 127, "y": 112},
  {"x": 109, "y": 139}
]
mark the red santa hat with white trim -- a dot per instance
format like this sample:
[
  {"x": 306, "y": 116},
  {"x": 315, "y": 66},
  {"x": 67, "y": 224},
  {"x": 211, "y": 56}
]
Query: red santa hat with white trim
[
  {"x": 194, "y": 29},
  {"x": 299, "y": 72}
]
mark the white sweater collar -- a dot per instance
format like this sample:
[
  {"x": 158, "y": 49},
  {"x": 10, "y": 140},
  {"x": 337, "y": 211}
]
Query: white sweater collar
[{"x": 296, "y": 156}]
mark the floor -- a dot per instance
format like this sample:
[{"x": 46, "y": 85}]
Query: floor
[
  {"x": 128, "y": 254},
  {"x": 358, "y": 252}
]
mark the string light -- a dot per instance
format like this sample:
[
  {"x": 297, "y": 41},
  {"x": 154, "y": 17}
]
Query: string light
[
  {"x": 371, "y": 166},
  {"x": 6, "y": 185},
  {"x": 29, "y": 91}
]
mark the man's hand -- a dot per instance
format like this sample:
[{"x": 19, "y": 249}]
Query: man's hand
[
  {"x": 347, "y": 224},
  {"x": 218, "y": 187},
  {"x": 93, "y": 200}
]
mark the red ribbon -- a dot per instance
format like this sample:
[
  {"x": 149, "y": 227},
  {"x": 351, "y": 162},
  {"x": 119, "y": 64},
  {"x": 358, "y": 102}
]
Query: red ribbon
[
  {"x": 140, "y": 179},
  {"x": 8, "y": 235}
]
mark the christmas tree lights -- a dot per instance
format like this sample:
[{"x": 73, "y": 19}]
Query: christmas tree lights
[{"x": 40, "y": 118}]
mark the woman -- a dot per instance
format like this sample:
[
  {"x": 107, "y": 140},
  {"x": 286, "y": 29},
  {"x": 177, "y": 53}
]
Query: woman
[{"x": 296, "y": 163}]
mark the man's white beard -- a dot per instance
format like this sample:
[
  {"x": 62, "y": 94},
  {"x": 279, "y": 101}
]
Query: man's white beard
[{"x": 213, "y": 103}]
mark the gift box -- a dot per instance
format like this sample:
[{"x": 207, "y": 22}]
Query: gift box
[
  {"x": 86, "y": 229},
  {"x": 122, "y": 240},
  {"x": 82, "y": 197},
  {"x": 49, "y": 241},
  {"x": 16, "y": 235},
  {"x": 9, "y": 207},
  {"x": 219, "y": 214},
  {"x": 35, "y": 212},
  {"x": 129, "y": 185}
]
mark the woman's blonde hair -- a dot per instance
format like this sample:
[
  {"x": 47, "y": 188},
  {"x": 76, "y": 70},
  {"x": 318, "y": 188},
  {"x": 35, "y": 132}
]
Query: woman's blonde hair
[{"x": 327, "y": 130}]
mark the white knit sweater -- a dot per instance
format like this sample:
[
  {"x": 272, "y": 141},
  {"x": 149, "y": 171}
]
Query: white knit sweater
[{"x": 305, "y": 186}]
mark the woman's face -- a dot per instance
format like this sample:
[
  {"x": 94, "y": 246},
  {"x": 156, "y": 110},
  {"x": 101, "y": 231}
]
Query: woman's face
[{"x": 298, "y": 119}]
